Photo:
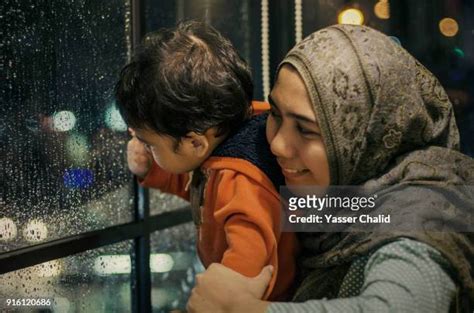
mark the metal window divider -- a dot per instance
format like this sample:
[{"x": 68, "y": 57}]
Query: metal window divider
[{"x": 67, "y": 246}]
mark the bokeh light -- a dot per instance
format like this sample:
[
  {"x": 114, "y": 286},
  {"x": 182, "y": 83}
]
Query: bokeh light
[
  {"x": 35, "y": 231},
  {"x": 48, "y": 269},
  {"x": 161, "y": 263},
  {"x": 112, "y": 264},
  {"x": 459, "y": 52},
  {"x": 113, "y": 119},
  {"x": 8, "y": 230},
  {"x": 351, "y": 16},
  {"x": 382, "y": 9},
  {"x": 448, "y": 27},
  {"x": 64, "y": 121},
  {"x": 77, "y": 149},
  {"x": 61, "y": 304},
  {"x": 78, "y": 178},
  {"x": 120, "y": 264}
]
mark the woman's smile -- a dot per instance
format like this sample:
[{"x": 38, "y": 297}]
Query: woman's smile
[{"x": 293, "y": 173}]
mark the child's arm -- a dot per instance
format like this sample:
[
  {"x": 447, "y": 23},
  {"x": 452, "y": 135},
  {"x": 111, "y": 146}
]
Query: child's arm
[
  {"x": 149, "y": 174},
  {"x": 170, "y": 183},
  {"x": 250, "y": 213}
]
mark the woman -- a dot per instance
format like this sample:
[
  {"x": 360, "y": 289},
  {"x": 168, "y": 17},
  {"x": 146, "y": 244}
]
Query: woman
[{"x": 351, "y": 107}]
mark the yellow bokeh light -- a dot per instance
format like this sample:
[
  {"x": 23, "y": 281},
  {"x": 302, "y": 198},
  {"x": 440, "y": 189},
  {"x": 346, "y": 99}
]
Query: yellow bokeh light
[
  {"x": 351, "y": 16},
  {"x": 35, "y": 231},
  {"x": 48, "y": 269},
  {"x": 382, "y": 9},
  {"x": 8, "y": 230},
  {"x": 448, "y": 27}
]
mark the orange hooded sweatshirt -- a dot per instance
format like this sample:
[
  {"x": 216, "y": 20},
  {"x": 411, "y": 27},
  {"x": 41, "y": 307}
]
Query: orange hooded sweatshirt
[{"x": 240, "y": 211}]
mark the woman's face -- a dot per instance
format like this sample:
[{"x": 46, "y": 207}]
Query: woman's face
[{"x": 294, "y": 134}]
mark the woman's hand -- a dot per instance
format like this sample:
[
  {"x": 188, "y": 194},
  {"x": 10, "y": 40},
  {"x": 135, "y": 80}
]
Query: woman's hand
[{"x": 222, "y": 290}]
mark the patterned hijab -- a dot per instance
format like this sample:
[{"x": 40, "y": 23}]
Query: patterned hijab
[{"x": 385, "y": 120}]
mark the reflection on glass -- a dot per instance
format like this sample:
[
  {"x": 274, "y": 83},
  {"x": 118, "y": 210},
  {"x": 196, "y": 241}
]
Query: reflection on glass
[
  {"x": 73, "y": 283},
  {"x": 62, "y": 149},
  {"x": 174, "y": 265}
]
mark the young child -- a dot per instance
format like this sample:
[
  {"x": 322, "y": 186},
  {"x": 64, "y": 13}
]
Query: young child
[{"x": 187, "y": 95}]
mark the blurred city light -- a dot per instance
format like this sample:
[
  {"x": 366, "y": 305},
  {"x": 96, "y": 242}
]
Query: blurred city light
[
  {"x": 448, "y": 27},
  {"x": 382, "y": 9},
  {"x": 459, "y": 52},
  {"x": 78, "y": 178},
  {"x": 112, "y": 264},
  {"x": 48, "y": 269},
  {"x": 77, "y": 149},
  {"x": 161, "y": 263},
  {"x": 64, "y": 121},
  {"x": 351, "y": 16},
  {"x": 61, "y": 304},
  {"x": 8, "y": 230},
  {"x": 35, "y": 231},
  {"x": 113, "y": 119},
  {"x": 163, "y": 297},
  {"x": 120, "y": 264}
]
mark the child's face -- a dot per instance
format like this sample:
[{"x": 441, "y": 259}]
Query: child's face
[
  {"x": 293, "y": 132},
  {"x": 173, "y": 159}
]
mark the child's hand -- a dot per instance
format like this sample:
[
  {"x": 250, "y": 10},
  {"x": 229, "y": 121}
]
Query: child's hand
[{"x": 138, "y": 158}]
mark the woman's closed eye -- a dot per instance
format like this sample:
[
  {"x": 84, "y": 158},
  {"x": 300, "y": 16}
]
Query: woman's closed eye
[{"x": 305, "y": 131}]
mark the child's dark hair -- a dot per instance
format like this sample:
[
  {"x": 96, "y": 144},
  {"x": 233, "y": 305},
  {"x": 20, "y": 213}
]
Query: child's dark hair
[{"x": 189, "y": 78}]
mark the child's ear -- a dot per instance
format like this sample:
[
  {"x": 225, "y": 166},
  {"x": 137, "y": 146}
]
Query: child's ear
[{"x": 198, "y": 144}]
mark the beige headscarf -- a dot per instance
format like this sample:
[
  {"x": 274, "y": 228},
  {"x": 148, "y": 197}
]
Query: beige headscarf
[{"x": 385, "y": 120}]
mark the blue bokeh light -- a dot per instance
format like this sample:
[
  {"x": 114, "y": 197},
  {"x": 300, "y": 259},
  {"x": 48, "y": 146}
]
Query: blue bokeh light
[{"x": 78, "y": 178}]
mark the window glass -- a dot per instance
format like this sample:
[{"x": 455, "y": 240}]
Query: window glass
[
  {"x": 62, "y": 141},
  {"x": 93, "y": 281},
  {"x": 161, "y": 202},
  {"x": 174, "y": 265}
]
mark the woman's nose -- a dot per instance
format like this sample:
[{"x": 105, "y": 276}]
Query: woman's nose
[{"x": 281, "y": 146}]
